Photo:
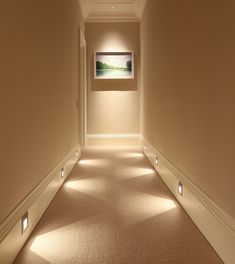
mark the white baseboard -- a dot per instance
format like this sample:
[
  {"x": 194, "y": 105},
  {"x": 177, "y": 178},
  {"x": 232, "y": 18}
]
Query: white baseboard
[
  {"x": 36, "y": 203},
  {"x": 215, "y": 224},
  {"x": 112, "y": 139}
]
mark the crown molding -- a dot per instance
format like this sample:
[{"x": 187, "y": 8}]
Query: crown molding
[
  {"x": 84, "y": 8},
  {"x": 140, "y": 8},
  {"x": 107, "y": 17},
  {"x": 91, "y": 15}
]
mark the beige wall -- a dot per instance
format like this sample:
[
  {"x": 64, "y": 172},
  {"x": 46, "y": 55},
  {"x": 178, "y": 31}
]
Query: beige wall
[
  {"x": 38, "y": 92},
  {"x": 188, "y": 88},
  {"x": 113, "y": 105}
]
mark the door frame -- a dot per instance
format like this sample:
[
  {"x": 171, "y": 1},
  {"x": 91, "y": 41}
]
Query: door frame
[{"x": 83, "y": 91}]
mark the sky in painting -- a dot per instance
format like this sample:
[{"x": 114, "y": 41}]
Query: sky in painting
[{"x": 114, "y": 60}]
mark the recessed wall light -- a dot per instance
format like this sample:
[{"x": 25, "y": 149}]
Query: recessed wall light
[
  {"x": 24, "y": 222},
  {"x": 112, "y": 7},
  {"x": 76, "y": 153},
  {"x": 180, "y": 188},
  {"x": 62, "y": 173},
  {"x": 156, "y": 161}
]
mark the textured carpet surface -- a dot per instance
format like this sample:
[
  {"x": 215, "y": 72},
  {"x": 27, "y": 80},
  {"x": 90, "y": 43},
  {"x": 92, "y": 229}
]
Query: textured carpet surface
[{"x": 113, "y": 209}]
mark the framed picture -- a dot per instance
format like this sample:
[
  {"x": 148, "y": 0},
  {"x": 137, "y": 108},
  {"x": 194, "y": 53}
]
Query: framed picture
[{"x": 114, "y": 65}]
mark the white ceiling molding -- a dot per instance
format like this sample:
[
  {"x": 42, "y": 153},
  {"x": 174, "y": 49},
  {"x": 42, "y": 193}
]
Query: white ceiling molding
[
  {"x": 112, "y": 10},
  {"x": 140, "y": 8}
]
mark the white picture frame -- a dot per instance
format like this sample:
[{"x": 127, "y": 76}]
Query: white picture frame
[{"x": 113, "y": 65}]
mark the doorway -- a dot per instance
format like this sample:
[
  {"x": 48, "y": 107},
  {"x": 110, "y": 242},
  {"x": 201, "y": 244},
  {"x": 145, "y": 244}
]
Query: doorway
[{"x": 83, "y": 91}]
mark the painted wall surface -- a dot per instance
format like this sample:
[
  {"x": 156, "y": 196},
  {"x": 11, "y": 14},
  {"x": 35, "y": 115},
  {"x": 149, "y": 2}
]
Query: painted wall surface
[
  {"x": 188, "y": 90},
  {"x": 113, "y": 105},
  {"x": 38, "y": 92}
]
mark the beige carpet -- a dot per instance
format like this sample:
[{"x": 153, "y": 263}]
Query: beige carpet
[{"x": 115, "y": 209}]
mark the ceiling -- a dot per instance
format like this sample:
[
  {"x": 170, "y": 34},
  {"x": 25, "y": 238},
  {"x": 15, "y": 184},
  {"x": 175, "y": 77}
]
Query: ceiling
[{"x": 112, "y": 10}]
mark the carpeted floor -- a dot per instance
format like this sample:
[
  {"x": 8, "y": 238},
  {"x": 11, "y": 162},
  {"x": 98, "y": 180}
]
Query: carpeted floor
[{"x": 115, "y": 209}]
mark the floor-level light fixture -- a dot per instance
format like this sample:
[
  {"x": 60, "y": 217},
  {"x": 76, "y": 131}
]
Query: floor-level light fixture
[
  {"x": 156, "y": 161},
  {"x": 180, "y": 188},
  {"x": 62, "y": 173},
  {"x": 24, "y": 222}
]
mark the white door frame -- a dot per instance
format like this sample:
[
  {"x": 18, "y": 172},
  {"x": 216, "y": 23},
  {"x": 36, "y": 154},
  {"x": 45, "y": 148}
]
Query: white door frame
[{"x": 83, "y": 90}]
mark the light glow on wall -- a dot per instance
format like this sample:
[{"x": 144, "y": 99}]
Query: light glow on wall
[{"x": 113, "y": 41}]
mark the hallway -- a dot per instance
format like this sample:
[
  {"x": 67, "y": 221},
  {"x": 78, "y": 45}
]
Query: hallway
[
  {"x": 114, "y": 208},
  {"x": 117, "y": 131}
]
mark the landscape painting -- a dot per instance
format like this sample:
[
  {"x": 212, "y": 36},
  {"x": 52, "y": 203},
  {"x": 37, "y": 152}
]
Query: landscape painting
[{"x": 114, "y": 65}]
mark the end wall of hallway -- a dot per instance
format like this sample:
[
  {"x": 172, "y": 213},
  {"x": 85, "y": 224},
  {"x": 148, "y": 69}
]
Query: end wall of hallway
[{"x": 113, "y": 105}]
